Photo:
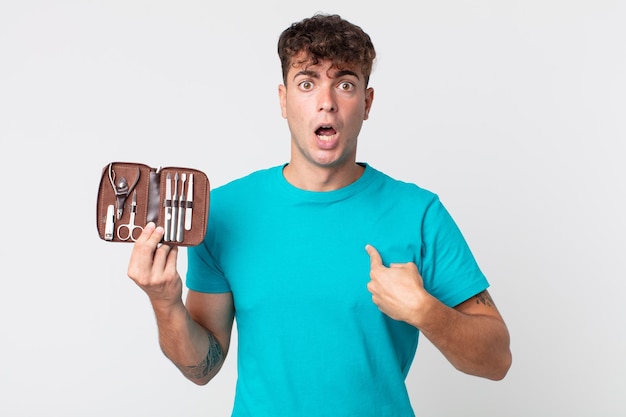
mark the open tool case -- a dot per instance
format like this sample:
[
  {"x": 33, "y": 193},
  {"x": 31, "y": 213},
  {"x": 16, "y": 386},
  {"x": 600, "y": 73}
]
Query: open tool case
[{"x": 130, "y": 195}]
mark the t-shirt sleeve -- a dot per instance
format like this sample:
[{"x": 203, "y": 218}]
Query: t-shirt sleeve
[
  {"x": 449, "y": 269},
  {"x": 203, "y": 271}
]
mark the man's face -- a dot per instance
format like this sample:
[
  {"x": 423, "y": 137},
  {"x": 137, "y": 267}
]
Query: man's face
[{"x": 325, "y": 109}]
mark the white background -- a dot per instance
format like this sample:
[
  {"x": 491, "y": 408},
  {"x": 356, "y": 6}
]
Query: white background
[{"x": 512, "y": 111}]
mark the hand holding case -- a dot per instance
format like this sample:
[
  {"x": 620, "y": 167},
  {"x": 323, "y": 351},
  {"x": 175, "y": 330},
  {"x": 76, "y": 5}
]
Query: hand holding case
[{"x": 132, "y": 194}]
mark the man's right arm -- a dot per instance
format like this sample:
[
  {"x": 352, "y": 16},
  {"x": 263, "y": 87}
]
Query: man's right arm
[{"x": 195, "y": 337}]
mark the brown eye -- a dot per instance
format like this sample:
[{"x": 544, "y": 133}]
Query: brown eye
[
  {"x": 346, "y": 86},
  {"x": 306, "y": 85}
]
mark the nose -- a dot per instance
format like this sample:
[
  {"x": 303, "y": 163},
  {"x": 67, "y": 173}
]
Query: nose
[{"x": 327, "y": 101}]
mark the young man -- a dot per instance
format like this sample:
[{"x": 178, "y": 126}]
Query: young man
[{"x": 331, "y": 267}]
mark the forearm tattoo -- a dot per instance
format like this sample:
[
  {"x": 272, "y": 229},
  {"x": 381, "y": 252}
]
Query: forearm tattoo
[
  {"x": 208, "y": 364},
  {"x": 485, "y": 299}
]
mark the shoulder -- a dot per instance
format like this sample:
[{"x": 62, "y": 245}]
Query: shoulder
[
  {"x": 249, "y": 182},
  {"x": 401, "y": 189}
]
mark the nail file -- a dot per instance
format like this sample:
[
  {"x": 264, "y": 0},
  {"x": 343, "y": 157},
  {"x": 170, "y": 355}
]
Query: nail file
[
  {"x": 180, "y": 231},
  {"x": 168, "y": 207},
  {"x": 189, "y": 203},
  {"x": 174, "y": 209}
]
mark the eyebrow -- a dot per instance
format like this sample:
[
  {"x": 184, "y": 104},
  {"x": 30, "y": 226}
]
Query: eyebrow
[
  {"x": 315, "y": 74},
  {"x": 307, "y": 73}
]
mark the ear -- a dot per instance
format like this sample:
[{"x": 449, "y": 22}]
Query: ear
[
  {"x": 369, "y": 99},
  {"x": 282, "y": 97}
]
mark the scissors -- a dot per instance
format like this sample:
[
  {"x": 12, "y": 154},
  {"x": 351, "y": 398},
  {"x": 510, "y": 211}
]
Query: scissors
[{"x": 130, "y": 227}]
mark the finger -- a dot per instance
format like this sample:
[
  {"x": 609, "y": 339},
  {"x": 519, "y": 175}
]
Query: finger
[
  {"x": 165, "y": 258},
  {"x": 375, "y": 259},
  {"x": 141, "y": 258},
  {"x": 170, "y": 262},
  {"x": 146, "y": 232},
  {"x": 152, "y": 234},
  {"x": 157, "y": 235}
]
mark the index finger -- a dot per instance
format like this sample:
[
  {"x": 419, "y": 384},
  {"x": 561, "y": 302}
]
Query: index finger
[
  {"x": 141, "y": 257},
  {"x": 148, "y": 240},
  {"x": 151, "y": 234}
]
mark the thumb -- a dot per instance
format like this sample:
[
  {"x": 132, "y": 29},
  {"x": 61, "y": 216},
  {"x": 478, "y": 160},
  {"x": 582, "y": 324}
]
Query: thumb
[{"x": 375, "y": 259}]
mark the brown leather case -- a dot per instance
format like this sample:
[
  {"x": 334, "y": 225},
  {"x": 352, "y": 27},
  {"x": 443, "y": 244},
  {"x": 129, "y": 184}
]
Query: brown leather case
[{"x": 123, "y": 182}]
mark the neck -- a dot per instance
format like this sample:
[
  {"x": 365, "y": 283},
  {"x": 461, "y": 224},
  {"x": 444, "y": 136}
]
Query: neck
[{"x": 314, "y": 178}]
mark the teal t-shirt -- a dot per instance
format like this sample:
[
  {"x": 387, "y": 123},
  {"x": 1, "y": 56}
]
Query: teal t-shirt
[{"x": 310, "y": 340}]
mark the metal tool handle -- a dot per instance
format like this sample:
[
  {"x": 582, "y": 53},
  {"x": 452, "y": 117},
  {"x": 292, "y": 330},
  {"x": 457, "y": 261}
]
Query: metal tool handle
[
  {"x": 189, "y": 203},
  {"x": 180, "y": 231},
  {"x": 174, "y": 209},
  {"x": 168, "y": 207},
  {"x": 168, "y": 220},
  {"x": 110, "y": 223}
]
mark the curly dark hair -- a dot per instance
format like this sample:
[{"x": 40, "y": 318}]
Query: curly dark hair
[{"x": 326, "y": 37}]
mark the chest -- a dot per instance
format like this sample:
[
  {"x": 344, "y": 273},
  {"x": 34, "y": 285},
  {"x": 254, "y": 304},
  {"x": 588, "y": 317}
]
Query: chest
[{"x": 310, "y": 255}]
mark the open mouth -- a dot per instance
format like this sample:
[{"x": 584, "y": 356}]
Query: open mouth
[{"x": 325, "y": 133}]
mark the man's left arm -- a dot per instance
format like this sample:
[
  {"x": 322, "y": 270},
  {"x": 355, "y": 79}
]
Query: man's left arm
[{"x": 472, "y": 335}]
